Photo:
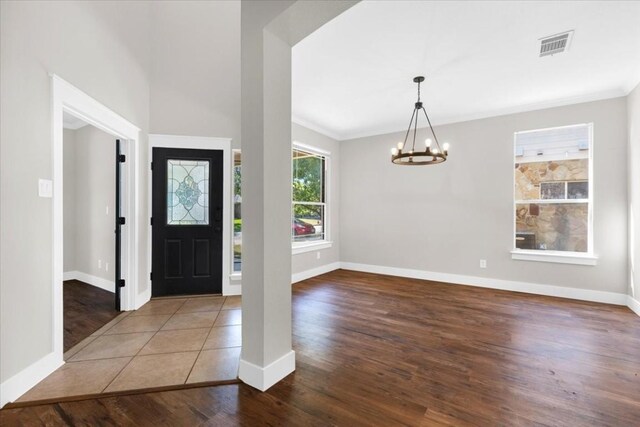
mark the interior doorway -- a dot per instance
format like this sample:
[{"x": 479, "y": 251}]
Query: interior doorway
[
  {"x": 91, "y": 212},
  {"x": 70, "y": 100}
]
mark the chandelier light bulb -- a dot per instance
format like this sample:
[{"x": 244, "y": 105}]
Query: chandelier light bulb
[
  {"x": 435, "y": 150},
  {"x": 445, "y": 146},
  {"x": 428, "y": 142},
  {"x": 394, "y": 151},
  {"x": 400, "y": 145}
]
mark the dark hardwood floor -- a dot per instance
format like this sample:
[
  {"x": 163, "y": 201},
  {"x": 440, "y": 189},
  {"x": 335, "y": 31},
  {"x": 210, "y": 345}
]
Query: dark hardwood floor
[
  {"x": 380, "y": 350},
  {"x": 86, "y": 309}
]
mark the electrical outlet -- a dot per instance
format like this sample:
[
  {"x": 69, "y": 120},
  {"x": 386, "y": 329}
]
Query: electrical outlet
[
  {"x": 106, "y": 266},
  {"x": 483, "y": 263},
  {"x": 99, "y": 263},
  {"x": 317, "y": 255}
]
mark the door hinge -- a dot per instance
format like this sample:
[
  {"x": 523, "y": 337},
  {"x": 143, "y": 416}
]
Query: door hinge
[
  {"x": 121, "y": 283},
  {"x": 151, "y": 165},
  {"x": 121, "y": 220},
  {"x": 151, "y": 221},
  {"x": 151, "y": 276},
  {"x": 122, "y": 158}
]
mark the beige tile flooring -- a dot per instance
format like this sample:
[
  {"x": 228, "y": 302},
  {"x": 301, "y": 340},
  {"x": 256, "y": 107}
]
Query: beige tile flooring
[{"x": 166, "y": 342}]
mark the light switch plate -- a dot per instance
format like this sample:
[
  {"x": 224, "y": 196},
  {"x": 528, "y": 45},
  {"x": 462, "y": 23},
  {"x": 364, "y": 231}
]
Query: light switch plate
[{"x": 45, "y": 188}]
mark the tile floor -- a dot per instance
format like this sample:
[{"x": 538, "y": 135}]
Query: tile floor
[{"x": 166, "y": 342}]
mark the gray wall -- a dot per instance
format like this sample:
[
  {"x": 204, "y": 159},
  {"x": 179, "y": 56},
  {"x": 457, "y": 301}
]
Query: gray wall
[
  {"x": 195, "y": 72},
  {"x": 101, "y": 48},
  {"x": 446, "y": 218},
  {"x": 69, "y": 200},
  {"x": 90, "y": 179},
  {"x": 308, "y": 260},
  {"x": 633, "y": 110}
]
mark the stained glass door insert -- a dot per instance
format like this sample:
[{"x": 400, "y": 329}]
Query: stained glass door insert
[{"x": 187, "y": 192}]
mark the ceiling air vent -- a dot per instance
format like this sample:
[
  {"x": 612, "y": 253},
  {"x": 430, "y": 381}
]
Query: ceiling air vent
[{"x": 557, "y": 43}]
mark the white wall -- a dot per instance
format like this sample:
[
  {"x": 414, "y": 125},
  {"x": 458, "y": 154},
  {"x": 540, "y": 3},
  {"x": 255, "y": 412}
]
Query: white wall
[
  {"x": 309, "y": 260},
  {"x": 99, "y": 47},
  {"x": 633, "y": 110},
  {"x": 90, "y": 236},
  {"x": 445, "y": 218}
]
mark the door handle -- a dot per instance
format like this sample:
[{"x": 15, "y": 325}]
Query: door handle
[{"x": 218, "y": 214}]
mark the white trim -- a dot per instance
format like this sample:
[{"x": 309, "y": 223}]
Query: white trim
[
  {"x": 302, "y": 247},
  {"x": 263, "y": 378},
  {"x": 143, "y": 298},
  {"x": 98, "y": 282},
  {"x": 200, "y": 143},
  {"x": 308, "y": 274},
  {"x": 67, "y": 98},
  {"x": 23, "y": 381},
  {"x": 633, "y": 304},
  {"x": 559, "y": 257},
  {"x": 310, "y": 149},
  {"x": 485, "y": 282}
]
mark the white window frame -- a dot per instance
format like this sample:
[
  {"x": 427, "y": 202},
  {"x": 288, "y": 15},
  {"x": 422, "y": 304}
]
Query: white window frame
[
  {"x": 326, "y": 243},
  {"x": 234, "y": 276},
  {"x": 562, "y": 257}
]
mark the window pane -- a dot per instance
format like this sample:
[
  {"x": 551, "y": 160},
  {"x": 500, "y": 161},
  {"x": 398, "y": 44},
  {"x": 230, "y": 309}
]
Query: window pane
[
  {"x": 187, "y": 192},
  {"x": 552, "y": 189},
  {"x": 308, "y": 177},
  {"x": 237, "y": 211},
  {"x": 552, "y": 226},
  {"x": 308, "y": 222},
  {"x": 546, "y": 180}
]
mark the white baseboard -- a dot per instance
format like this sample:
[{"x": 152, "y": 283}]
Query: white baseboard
[
  {"x": 98, "y": 282},
  {"x": 142, "y": 298},
  {"x": 633, "y": 304},
  {"x": 263, "y": 378},
  {"x": 484, "y": 282},
  {"x": 24, "y": 380},
  {"x": 307, "y": 274}
]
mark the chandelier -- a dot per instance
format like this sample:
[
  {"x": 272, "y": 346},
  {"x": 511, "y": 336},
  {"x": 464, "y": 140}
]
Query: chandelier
[{"x": 432, "y": 154}]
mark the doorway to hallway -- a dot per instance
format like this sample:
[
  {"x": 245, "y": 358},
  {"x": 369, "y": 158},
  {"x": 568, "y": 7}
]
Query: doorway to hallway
[{"x": 91, "y": 251}]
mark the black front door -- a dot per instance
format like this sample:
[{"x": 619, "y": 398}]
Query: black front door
[{"x": 186, "y": 222}]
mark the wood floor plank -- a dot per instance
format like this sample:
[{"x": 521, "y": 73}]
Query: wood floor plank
[
  {"x": 382, "y": 350},
  {"x": 86, "y": 309}
]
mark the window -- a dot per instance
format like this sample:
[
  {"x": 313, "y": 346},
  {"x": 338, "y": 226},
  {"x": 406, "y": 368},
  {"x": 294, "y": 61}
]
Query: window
[
  {"x": 237, "y": 211},
  {"x": 308, "y": 223},
  {"x": 308, "y": 226},
  {"x": 553, "y": 192},
  {"x": 187, "y": 192}
]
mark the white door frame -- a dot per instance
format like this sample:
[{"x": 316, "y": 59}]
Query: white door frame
[
  {"x": 66, "y": 97},
  {"x": 200, "y": 143}
]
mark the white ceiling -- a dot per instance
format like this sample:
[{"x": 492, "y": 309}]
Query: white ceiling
[
  {"x": 70, "y": 121},
  {"x": 353, "y": 77}
]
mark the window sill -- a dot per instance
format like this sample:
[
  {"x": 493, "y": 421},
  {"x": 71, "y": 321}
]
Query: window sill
[
  {"x": 300, "y": 248},
  {"x": 236, "y": 276},
  {"x": 577, "y": 258}
]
